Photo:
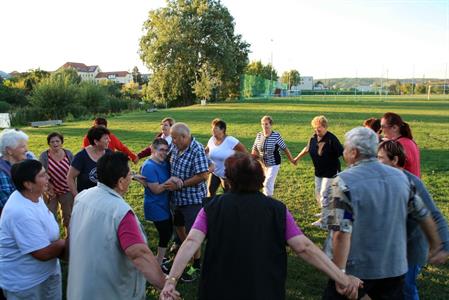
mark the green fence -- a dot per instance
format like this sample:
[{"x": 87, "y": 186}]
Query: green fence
[{"x": 252, "y": 86}]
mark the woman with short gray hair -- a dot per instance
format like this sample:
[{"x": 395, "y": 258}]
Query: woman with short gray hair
[{"x": 13, "y": 149}]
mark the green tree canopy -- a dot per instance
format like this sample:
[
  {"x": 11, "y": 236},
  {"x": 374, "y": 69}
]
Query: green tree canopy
[
  {"x": 182, "y": 37},
  {"x": 290, "y": 78},
  {"x": 257, "y": 68}
]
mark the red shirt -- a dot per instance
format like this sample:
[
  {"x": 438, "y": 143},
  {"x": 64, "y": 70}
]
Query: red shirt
[
  {"x": 412, "y": 156},
  {"x": 115, "y": 145}
]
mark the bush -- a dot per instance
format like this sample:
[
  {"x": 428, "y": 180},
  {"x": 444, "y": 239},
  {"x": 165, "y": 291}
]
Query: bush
[
  {"x": 25, "y": 115},
  {"x": 4, "y": 107}
]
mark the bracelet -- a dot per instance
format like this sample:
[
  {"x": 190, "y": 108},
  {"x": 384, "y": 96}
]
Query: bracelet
[
  {"x": 343, "y": 270},
  {"x": 171, "y": 279}
]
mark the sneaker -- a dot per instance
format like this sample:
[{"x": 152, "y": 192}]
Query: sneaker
[
  {"x": 188, "y": 275},
  {"x": 317, "y": 223},
  {"x": 318, "y": 215},
  {"x": 166, "y": 265},
  {"x": 173, "y": 249}
]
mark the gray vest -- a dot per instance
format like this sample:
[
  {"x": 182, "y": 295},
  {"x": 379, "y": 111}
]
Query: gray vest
[
  {"x": 379, "y": 195},
  {"x": 99, "y": 269}
]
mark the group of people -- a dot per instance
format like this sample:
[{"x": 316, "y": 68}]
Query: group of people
[{"x": 383, "y": 224}]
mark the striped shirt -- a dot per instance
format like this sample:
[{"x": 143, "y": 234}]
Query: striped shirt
[
  {"x": 57, "y": 171},
  {"x": 268, "y": 147}
]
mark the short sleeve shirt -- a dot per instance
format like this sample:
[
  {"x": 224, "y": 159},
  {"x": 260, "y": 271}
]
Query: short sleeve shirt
[
  {"x": 268, "y": 147},
  {"x": 25, "y": 227},
  {"x": 87, "y": 177},
  {"x": 219, "y": 153},
  {"x": 184, "y": 165}
]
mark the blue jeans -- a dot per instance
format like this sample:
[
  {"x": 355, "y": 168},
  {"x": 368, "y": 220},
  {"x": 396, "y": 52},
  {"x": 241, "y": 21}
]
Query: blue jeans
[{"x": 410, "y": 288}]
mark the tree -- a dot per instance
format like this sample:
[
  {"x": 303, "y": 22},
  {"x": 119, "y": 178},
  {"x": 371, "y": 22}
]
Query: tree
[
  {"x": 137, "y": 77},
  {"x": 182, "y": 37},
  {"x": 69, "y": 76},
  {"x": 131, "y": 90},
  {"x": 93, "y": 96},
  {"x": 290, "y": 78},
  {"x": 206, "y": 82},
  {"x": 257, "y": 68}
]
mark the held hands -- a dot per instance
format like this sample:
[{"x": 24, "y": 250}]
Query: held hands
[
  {"x": 174, "y": 183},
  {"x": 351, "y": 290},
  {"x": 169, "y": 292},
  {"x": 438, "y": 256}
]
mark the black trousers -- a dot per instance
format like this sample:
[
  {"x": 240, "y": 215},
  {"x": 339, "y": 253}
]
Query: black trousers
[{"x": 378, "y": 289}]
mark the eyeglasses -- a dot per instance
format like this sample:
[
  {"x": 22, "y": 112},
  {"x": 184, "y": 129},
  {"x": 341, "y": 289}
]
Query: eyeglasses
[{"x": 385, "y": 126}]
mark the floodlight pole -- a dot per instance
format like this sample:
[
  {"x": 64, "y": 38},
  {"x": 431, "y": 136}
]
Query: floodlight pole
[
  {"x": 445, "y": 81},
  {"x": 271, "y": 71}
]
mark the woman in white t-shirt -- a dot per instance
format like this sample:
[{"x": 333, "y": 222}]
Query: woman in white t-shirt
[
  {"x": 219, "y": 148},
  {"x": 29, "y": 238}
]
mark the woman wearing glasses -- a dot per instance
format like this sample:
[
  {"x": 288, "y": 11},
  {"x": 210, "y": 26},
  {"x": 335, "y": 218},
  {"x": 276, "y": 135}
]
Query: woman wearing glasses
[{"x": 155, "y": 172}]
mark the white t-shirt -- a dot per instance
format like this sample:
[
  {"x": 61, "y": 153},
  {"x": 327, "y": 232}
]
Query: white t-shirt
[
  {"x": 218, "y": 154},
  {"x": 25, "y": 227}
]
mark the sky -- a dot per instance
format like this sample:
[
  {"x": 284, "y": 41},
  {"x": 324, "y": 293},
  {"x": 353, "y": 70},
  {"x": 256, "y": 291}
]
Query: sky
[{"x": 319, "y": 38}]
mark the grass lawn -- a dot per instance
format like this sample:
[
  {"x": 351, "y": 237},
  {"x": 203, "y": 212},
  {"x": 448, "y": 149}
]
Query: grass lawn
[{"x": 429, "y": 120}]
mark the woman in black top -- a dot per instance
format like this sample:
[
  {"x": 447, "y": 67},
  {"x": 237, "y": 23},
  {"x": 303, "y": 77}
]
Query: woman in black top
[{"x": 324, "y": 149}]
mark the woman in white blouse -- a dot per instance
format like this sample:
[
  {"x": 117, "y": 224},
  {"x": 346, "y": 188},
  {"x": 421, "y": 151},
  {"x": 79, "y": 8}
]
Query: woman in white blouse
[{"x": 219, "y": 148}]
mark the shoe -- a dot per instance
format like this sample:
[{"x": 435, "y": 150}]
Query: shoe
[
  {"x": 317, "y": 223},
  {"x": 166, "y": 265},
  {"x": 318, "y": 215},
  {"x": 173, "y": 249},
  {"x": 189, "y": 275}
]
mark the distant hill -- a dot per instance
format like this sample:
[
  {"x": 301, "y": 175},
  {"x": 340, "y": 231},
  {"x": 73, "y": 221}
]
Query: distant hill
[
  {"x": 4, "y": 75},
  {"x": 346, "y": 83}
]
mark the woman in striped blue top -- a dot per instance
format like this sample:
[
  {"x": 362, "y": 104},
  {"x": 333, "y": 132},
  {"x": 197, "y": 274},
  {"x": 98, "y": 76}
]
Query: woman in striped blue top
[{"x": 266, "y": 146}]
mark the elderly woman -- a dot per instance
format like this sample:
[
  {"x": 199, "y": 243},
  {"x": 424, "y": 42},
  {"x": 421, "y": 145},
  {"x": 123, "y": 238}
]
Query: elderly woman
[
  {"x": 155, "y": 172},
  {"x": 109, "y": 255},
  {"x": 392, "y": 153},
  {"x": 324, "y": 149},
  {"x": 83, "y": 171},
  {"x": 219, "y": 148},
  {"x": 13, "y": 149},
  {"x": 166, "y": 124},
  {"x": 394, "y": 128},
  {"x": 266, "y": 146},
  {"x": 56, "y": 161},
  {"x": 244, "y": 216},
  {"x": 29, "y": 238}
]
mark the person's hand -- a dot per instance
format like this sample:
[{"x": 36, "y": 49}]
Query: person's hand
[
  {"x": 293, "y": 161},
  {"x": 169, "y": 292},
  {"x": 350, "y": 290},
  {"x": 140, "y": 179},
  {"x": 211, "y": 168},
  {"x": 136, "y": 160},
  {"x": 438, "y": 257}
]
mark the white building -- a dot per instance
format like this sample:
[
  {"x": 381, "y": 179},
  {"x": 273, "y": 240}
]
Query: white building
[
  {"x": 122, "y": 77},
  {"x": 305, "y": 83},
  {"x": 364, "y": 88},
  {"x": 87, "y": 73}
]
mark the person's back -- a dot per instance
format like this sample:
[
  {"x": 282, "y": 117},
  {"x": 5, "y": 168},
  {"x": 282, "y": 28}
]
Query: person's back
[
  {"x": 245, "y": 255},
  {"x": 379, "y": 196},
  {"x": 99, "y": 269}
]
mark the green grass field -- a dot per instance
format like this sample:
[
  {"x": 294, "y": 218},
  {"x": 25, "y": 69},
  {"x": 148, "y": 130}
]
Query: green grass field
[{"x": 429, "y": 120}]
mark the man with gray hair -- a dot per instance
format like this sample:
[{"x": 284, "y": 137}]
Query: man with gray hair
[
  {"x": 370, "y": 206},
  {"x": 189, "y": 170}
]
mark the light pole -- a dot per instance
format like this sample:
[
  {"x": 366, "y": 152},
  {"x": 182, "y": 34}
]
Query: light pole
[{"x": 271, "y": 70}]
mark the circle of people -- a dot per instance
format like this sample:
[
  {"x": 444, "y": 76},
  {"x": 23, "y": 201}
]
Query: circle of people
[{"x": 382, "y": 223}]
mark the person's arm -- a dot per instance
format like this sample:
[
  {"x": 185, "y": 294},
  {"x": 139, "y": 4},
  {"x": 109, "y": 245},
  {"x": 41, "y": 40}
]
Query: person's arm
[
  {"x": 240, "y": 147},
  {"x": 254, "y": 150},
  {"x": 185, "y": 253},
  {"x": 144, "y": 261},
  {"x": 6, "y": 188},
  {"x": 71, "y": 180},
  {"x": 304, "y": 248},
  {"x": 303, "y": 153},
  {"x": 117, "y": 144},
  {"x": 341, "y": 243},
  {"x": 55, "y": 249},
  {"x": 289, "y": 156},
  {"x": 144, "y": 153},
  {"x": 175, "y": 183}
]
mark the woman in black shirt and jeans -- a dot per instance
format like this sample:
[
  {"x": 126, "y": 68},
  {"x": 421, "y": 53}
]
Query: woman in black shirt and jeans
[{"x": 324, "y": 149}]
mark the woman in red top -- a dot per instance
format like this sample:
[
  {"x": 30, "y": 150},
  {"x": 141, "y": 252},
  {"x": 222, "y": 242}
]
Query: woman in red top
[
  {"x": 394, "y": 128},
  {"x": 114, "y": 144}
]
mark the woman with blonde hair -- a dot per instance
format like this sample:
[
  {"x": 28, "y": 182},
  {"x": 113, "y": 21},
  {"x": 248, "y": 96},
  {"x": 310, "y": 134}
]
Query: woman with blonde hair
[{"x": 324, "y": 149}]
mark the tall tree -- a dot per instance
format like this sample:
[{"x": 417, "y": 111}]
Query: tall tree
[
  {"x": 257, "y": 68},
  {"x": 290, "y": 78},
  {"x": 183, "y": 36},
  {"x": 137, "y": 77}
]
